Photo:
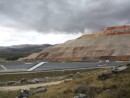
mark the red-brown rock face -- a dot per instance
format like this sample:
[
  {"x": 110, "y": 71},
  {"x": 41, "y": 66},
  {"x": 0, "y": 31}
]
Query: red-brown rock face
[
  {"x": 117, "y": 27},
  {"x": 108, "y": 44}
]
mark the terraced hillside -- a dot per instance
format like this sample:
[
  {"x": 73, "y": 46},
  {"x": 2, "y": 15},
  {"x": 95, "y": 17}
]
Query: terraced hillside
[{"x": 110, "y": 44}]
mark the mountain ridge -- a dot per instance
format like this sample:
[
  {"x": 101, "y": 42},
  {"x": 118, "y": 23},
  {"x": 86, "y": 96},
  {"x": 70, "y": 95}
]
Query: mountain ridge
[{"x": 16, "y": 51}]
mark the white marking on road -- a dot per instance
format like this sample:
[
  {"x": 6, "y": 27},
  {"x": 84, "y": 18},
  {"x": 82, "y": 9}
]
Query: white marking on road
[
  {"x": 36, "y": 66},
  {"x": 3, "y": 67}
]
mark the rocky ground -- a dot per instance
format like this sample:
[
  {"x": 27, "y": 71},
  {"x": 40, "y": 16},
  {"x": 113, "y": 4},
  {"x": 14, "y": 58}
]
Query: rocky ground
[{"x": 99, "y": 83}]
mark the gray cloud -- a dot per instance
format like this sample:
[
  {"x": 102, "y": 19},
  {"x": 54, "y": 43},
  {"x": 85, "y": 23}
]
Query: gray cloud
[{"x": 64, "y": 15}]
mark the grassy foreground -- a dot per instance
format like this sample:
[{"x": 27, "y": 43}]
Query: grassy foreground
[
  {"x": 17, "y": 77},
  {"x": 117, "y": 86}
]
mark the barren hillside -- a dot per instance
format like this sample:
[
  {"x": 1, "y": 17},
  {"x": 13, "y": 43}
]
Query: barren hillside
[{"x": 111, "y": 43}]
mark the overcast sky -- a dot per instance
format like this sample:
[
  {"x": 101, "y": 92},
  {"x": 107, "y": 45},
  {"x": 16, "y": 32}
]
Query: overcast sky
[{"x": 55, "y": 21}]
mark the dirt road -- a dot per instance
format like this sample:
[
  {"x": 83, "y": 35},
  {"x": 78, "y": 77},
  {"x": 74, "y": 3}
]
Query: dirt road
[{"x": 14, "y": 88}]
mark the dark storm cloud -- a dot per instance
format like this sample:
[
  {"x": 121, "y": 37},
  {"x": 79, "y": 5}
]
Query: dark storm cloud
[{"x": 64, "y": 15}]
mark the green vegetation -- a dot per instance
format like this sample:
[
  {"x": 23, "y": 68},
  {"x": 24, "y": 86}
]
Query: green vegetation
[
  {"x": 9, "y": 94},
  {"x": 116, "y": 86},
  {"x": 16, "y": 77},
  {"x": 12, "y": 56}
]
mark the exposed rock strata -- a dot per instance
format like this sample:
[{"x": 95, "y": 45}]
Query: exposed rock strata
[{"x": 112, "y": 44}]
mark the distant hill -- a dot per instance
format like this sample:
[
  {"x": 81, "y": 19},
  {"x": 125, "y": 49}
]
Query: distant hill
[
  {"x": 17, "y": 51},
  {"x": 112, "y": 43}
]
